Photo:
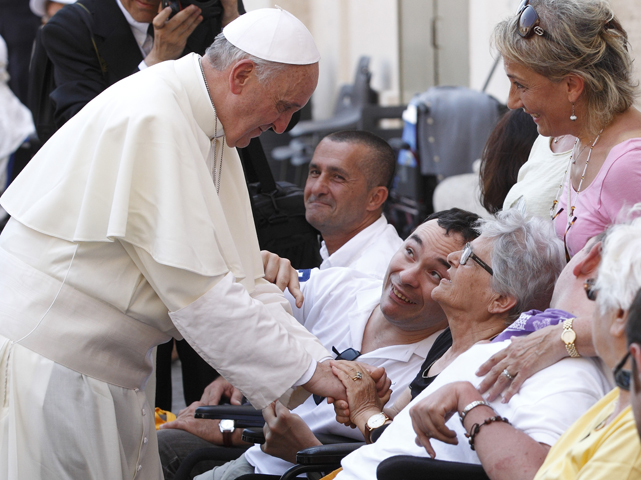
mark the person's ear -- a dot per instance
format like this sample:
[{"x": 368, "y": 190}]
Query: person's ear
[
  {"x": 240, "y": 74},
  {"x": 575, "y": 86},
  {"x": 377, "y": 197},
  {"x": 617, "y": 329},
  {"x": 501, "y": 304},
  {"x": 590, "y": 262}
]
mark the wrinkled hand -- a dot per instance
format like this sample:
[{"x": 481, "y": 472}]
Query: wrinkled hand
[
  {"x": 363, "y": 398},
  {"x": 170, "y": 36},
  {"x": 230, "y": 11},
  {"x": 221, "y": 389},
  {"x": 280, "y": 272},
  {"x": 285, "y": 433},
  {"x": 430, "y": 414},
  {"x": 203, "y": 428},
  {"x": 522, "y": 358}
]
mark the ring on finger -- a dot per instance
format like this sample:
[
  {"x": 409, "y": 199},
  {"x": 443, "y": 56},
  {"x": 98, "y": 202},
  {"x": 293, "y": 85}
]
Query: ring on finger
[
  {"x": 507, "y": 374},
  {"x": 357, "y": 376}
]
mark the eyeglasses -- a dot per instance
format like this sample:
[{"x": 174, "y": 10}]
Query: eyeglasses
[
  {"x": 621, "y": 375},
  {"x": 468, "y": 253},
  {"x": 528, "y": 20},
  {"x": 349, "y": 354},
  {"x": 590, "y": 289}
]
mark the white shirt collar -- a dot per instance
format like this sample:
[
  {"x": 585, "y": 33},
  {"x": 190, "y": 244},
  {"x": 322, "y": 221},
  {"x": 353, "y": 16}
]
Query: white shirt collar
[{"x": 137, "y": 28}]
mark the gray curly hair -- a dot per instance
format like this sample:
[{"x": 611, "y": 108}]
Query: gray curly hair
[{"x": 527, "y": 258}]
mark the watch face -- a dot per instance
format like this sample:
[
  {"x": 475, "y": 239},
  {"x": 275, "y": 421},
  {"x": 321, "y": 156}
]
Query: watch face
[
  {"x": 227, "y": 425},
  {"x": 376, "y": 421},
  {"x": 568, "y": 336}
]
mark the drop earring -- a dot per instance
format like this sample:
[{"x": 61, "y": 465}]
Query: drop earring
[{"x": 573, "y": 116}]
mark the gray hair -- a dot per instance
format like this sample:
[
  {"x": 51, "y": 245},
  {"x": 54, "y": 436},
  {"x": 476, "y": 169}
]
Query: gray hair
[
  {"x": 222, "y": 54},
  {"x": 619, "y": 276},
  {"x": 527, "y": 258},
  {"x": 583, "y": 38}
]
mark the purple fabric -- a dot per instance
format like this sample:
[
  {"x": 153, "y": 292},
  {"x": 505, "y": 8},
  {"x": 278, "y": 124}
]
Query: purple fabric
[{"x": 531, "y": 321}]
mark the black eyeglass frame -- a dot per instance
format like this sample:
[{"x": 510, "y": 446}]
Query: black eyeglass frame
[
  {"x": 590, "y": 289},
  {"x": 468, "y": 253},
  {"x": 622, "y": 376}
]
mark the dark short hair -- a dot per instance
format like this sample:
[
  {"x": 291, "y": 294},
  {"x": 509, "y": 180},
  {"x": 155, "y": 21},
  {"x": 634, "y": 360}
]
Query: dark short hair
[
  {"x": 633, "y": 327},
  {"x": 457, "y": 221},
  {"x": 380, "y": 164}
]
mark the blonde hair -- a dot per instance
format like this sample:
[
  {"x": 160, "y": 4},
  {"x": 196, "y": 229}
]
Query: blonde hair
[{"x": 584, "y": 38}]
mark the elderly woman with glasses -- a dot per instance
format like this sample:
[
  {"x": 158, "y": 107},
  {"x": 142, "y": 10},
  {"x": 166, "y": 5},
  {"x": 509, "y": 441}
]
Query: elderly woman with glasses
[
  {"x": 570, "y": 68},
  {"x": 510, "y": 268}
]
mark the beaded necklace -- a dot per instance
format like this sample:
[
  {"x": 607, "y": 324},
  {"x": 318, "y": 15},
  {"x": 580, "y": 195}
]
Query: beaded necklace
[{"x": 568, "y": 179}]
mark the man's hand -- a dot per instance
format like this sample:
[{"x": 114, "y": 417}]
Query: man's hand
[
  {"x": 522, "y": 358},
  {"x": 170, "y": 36},
  {"x": 325, "y": 383},
  {"x": 280, "y": 272},
  {"x": 219, "y": 389},
  {"x": 285, "y": 433},
  {"x": 203, "y": 428},
  {"x": 230, "y": 11}
]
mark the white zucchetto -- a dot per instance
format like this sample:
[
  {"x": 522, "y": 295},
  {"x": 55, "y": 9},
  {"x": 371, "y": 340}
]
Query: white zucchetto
[{"x": 275, "y": 35}]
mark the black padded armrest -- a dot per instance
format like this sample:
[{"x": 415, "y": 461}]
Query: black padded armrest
[
  {"x": 326, "y": 454},
  {"x": 243, "y": 415},
  {"x": 253, "y": 435},
  {"x": 406, "y": 467}
]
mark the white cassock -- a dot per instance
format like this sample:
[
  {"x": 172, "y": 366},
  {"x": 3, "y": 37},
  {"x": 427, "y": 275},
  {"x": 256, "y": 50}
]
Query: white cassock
[{"x": 119, "y": 241}]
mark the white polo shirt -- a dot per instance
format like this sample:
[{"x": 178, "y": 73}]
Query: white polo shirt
[
  {"x": 338, "y": 304},
  {"x": 369, "y": 251},
  {"x": 548, "y": 403}
]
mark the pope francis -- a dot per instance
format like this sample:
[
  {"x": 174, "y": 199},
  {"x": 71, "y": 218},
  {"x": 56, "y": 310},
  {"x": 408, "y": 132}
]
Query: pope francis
[{"x": 133, "y": 225}]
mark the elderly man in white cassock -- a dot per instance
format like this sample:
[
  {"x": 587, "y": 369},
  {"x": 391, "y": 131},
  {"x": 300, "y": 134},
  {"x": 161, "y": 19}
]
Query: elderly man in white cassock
[{"x": 133, "y": 225}]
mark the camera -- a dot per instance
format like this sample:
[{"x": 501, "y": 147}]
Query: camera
[{"x": 208, "y": 8}]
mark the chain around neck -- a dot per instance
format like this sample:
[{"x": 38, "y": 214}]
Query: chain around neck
[
  {"x": 568, "y": 179},
  {"x": 218, "y": 168}
]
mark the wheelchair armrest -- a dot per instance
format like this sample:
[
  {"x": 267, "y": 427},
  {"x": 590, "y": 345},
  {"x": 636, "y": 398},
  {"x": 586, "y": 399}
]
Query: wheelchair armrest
[
  {"x": 253, "y": 435},
  {"x": 326, "y": 454},
  {"x": 243, "y": 415},
  {"x": 407, "y": 467}
]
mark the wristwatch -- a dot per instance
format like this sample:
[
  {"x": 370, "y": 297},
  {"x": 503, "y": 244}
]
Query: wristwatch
[
  {"x": 227, "y": 427},
  {"x": 568, "y": 336},
  {"x": 375, "y": 421}
]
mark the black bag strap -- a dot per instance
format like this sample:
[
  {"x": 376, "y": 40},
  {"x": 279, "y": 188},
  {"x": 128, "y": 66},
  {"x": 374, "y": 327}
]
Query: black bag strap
[
  {"x": 88, "y": 22},
  {"x": 253, "y": 156}
]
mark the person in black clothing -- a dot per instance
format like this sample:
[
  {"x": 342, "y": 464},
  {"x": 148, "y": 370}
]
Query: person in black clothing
[{"x": 128, "y": 35}]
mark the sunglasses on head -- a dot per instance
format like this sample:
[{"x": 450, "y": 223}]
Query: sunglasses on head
[
  {"x": 622, "y": 376},
  {"x": 528, "y": 21}
]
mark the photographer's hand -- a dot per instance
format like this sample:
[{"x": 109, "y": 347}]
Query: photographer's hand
[{"x": 170, "y": 35}]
